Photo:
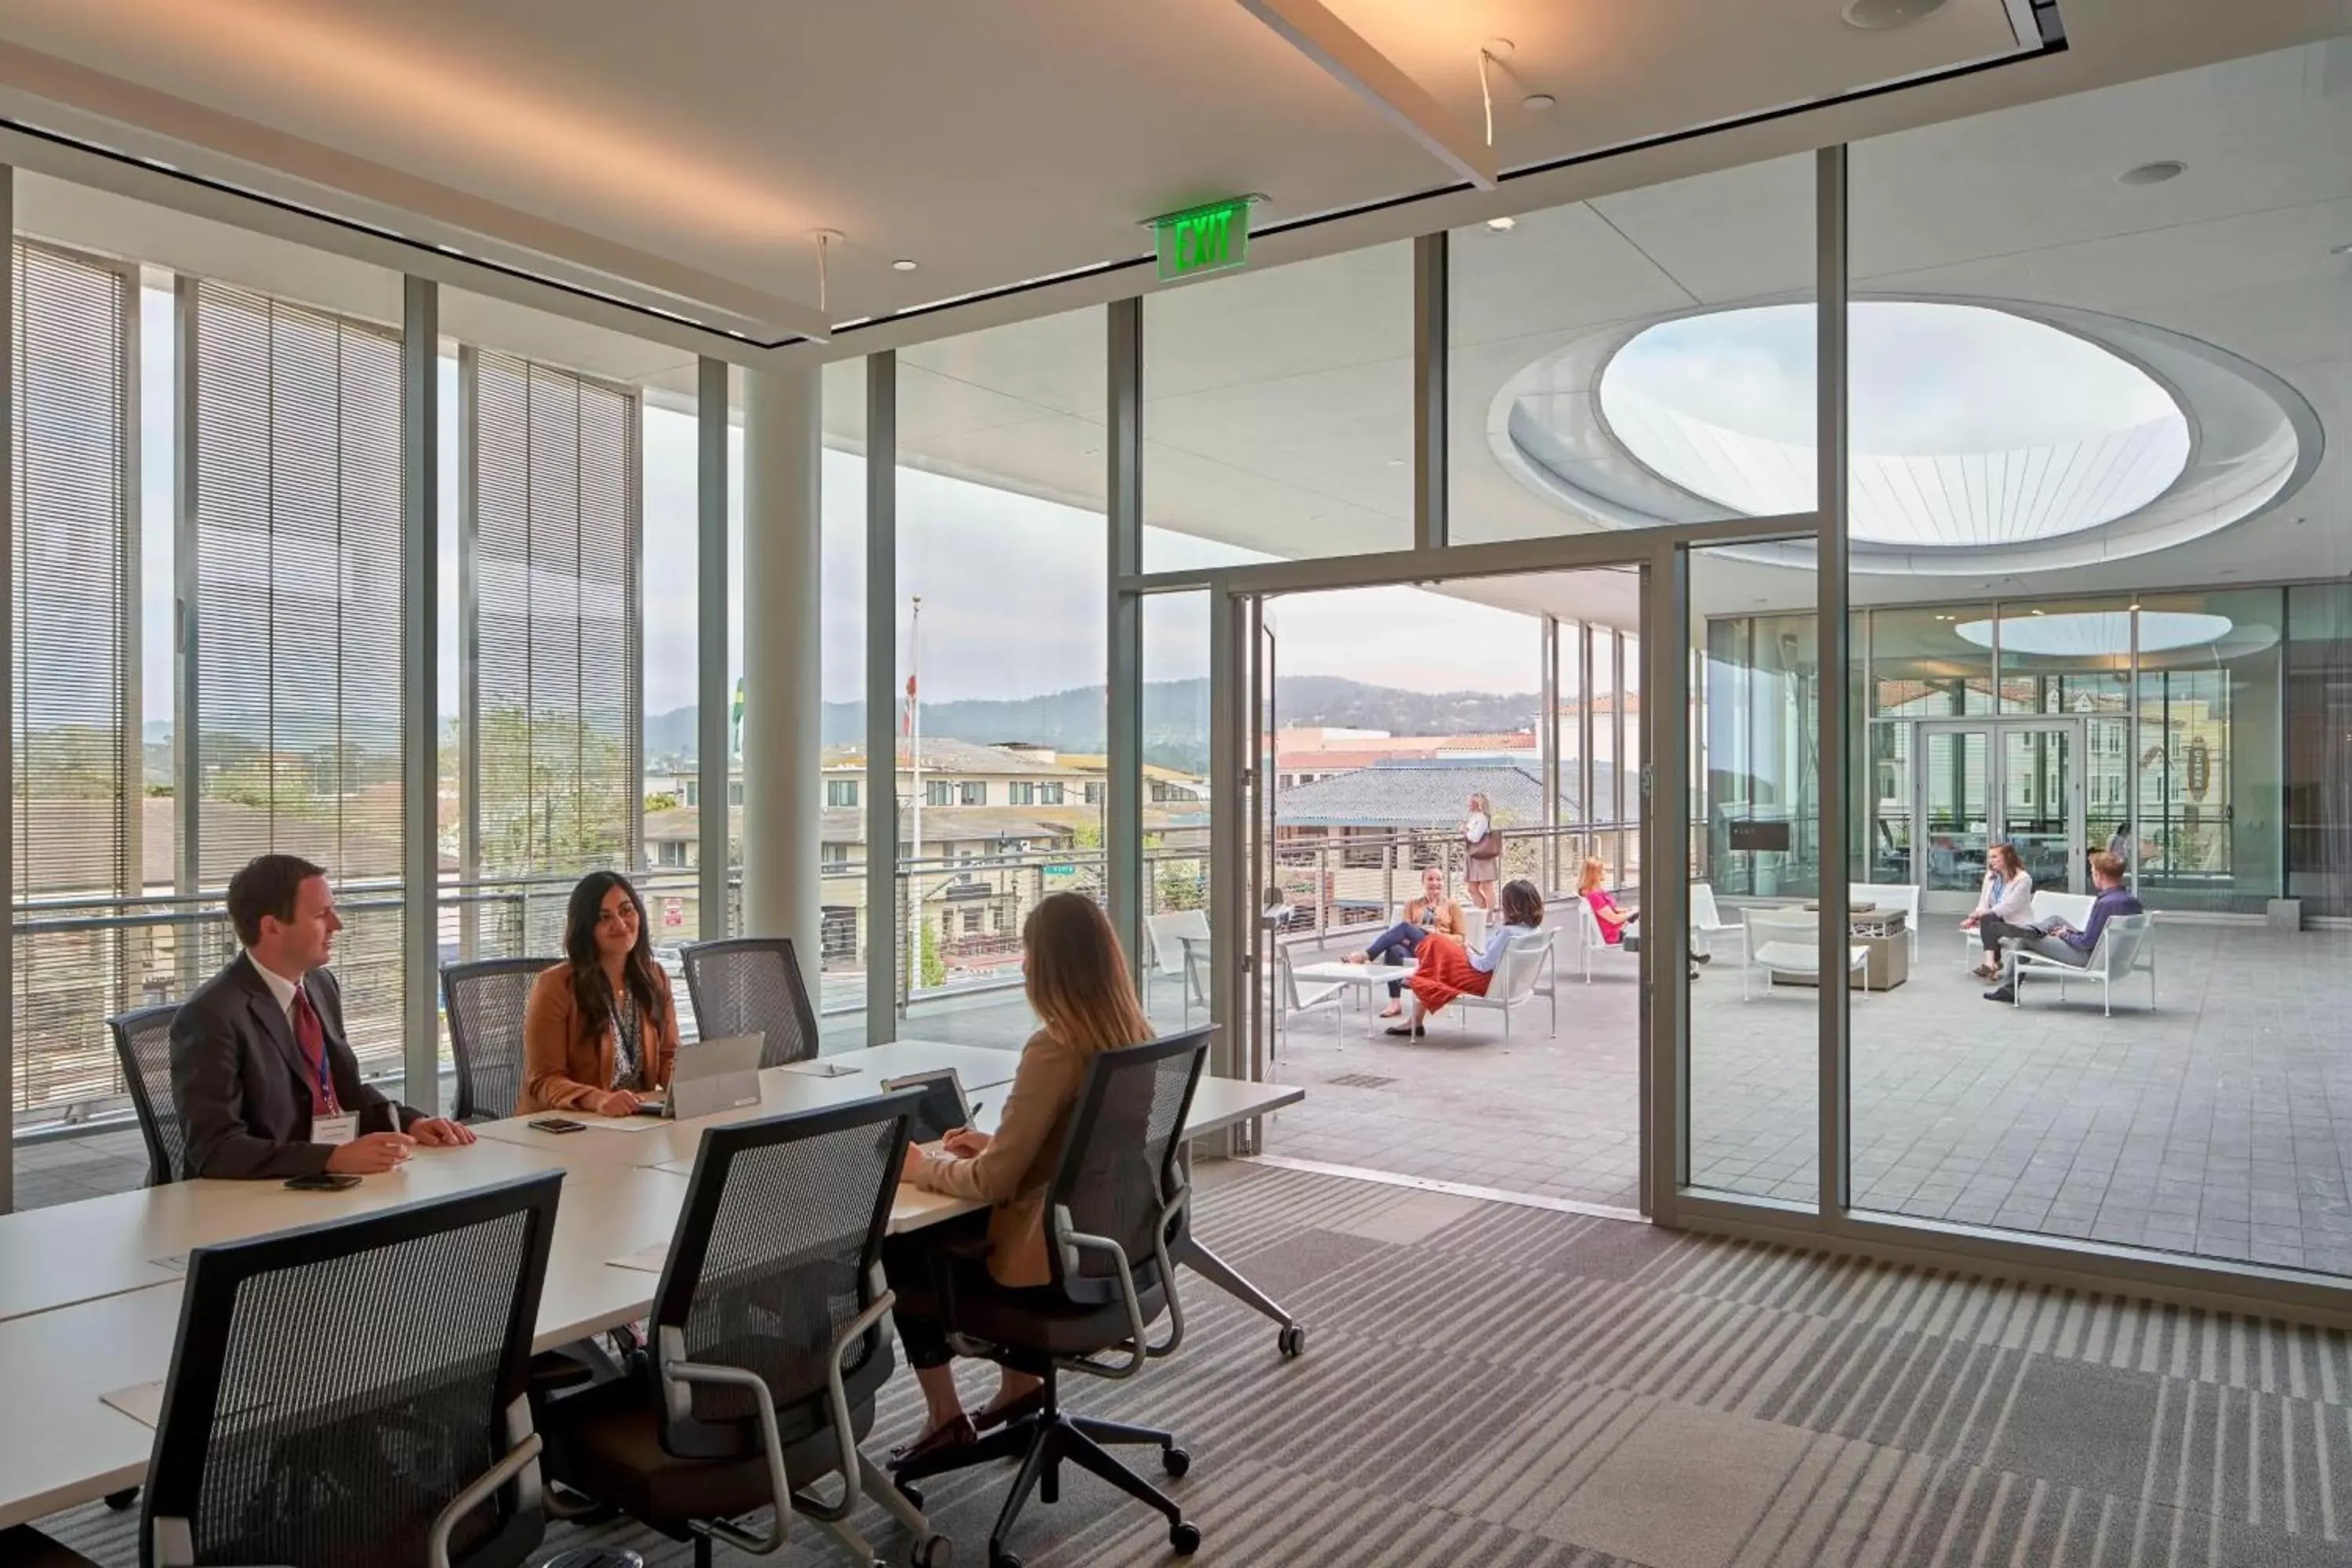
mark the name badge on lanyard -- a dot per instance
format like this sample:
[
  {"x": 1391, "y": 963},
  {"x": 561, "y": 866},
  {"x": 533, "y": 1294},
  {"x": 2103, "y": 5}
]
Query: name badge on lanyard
[{"x": 334, "y": 1129}]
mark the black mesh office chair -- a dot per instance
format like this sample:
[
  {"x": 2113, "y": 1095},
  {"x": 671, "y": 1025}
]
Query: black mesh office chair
[
  {"x": 143, "y": 1043},
  {"x": 769, "y": 1342},
  {"x": 354, "y": 1392},
  {"x": 484, "y": 1002},
  {"x": 1118, "y": 1204},
  {"x": 751, "y": 985}
]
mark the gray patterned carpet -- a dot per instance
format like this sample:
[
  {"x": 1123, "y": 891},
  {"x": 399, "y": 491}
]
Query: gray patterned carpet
[{"x": 1490, "y": 1385}]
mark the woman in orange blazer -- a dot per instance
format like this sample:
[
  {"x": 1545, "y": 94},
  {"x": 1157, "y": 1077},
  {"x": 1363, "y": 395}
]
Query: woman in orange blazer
[{"x": 600, "y": 1031}]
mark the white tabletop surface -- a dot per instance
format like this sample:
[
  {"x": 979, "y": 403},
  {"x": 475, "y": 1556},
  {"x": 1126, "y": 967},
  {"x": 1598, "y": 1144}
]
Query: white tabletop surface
[
  {"x": 54, "y": 1256},
  {"x": 1353, "y": 973},
  {"x": 796, "y": 1088},
  {"x": 61, "y": 1445}
]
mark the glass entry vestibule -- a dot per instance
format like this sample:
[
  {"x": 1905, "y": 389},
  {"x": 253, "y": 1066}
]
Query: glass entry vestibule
[{"x": 1944, "y": 791}]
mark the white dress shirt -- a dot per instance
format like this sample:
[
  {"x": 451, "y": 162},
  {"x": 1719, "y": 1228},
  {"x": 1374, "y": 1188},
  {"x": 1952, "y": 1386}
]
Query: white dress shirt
[{"x": 279, "y": 986}]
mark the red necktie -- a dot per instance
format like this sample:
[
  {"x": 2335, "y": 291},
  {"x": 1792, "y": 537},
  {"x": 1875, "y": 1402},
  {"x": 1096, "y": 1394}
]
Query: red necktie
[{"x": 311, "y": 1040}]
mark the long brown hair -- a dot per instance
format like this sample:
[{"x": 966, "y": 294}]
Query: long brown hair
[
  {"x": 591, "y": 994},
  {"x": 2013, "y": 862},
  {"x": 1522, "y": 905},
  {"x": 1078, "y": 975}
]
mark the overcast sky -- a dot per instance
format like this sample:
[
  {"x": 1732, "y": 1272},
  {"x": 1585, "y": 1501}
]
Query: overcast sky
[{"x": 1011, "y": 586}]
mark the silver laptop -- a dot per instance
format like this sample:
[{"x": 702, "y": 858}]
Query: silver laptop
[{"x": 715, "y": 1076}]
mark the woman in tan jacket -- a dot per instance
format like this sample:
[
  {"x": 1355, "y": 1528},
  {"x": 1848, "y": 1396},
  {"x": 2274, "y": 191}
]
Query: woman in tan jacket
[
  {"x": 600, "y": 1031},
  {"x": 1079, "y": 986}
]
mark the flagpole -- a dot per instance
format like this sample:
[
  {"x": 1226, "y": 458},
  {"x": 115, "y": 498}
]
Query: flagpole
[{"x": 915, "y": 752}]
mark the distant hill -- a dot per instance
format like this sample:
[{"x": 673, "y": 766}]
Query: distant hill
[{"x": 1175, "y": 717}]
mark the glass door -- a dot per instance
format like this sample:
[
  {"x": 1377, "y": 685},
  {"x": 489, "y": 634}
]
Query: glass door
[
  {"x": 1956, "y": 795},
  {"x": 2042, "y": 803},
  {"x": 1981, "y": 784}
]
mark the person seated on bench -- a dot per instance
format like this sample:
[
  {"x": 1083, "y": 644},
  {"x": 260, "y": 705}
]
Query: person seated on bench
[
  {"x": 2061, "y": 942},
  {"x": 1446, "y": 969},
  {"x": 1432, "y": 912},
  {"x": 2005, "y": 907}
]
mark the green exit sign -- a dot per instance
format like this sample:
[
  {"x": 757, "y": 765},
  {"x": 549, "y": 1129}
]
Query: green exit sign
[{"x": 1203, "y": 239}]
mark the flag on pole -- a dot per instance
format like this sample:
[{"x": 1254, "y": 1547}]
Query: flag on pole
[
  {"x": 907, "y": 714},
  {"x": 735, "y": 718}
]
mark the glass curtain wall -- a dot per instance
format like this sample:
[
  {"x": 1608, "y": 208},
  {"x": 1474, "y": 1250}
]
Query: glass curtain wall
[
  {"x": 80, "y": 815},
  {"x": 846, "y": 929},
  {"x": 1002, "y": 649},
  {"x": 2095, "y": 388},
  {"x": 1277, "y": 411},
  {"x": 569, "y": 605}
]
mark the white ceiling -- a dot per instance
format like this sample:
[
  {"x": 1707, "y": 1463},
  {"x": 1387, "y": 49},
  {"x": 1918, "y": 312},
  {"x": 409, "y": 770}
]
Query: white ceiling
[
  {"x": 1279, "y": 402},
  {"x": 687, "y": 148}
]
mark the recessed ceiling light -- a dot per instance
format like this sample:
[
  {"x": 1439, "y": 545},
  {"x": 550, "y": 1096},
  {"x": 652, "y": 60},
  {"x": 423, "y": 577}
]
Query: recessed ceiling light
[
  {"x": 2343, "y": 249},
  {"x": 1502, "y": 225},
  {"x": 1396, "y": 462},
  {"x": 904, "y": 264},
  {"x": 1877, "y": 16},
  {"x": 2154, "y": 173},
  {"x": 1538, "y": 102}
]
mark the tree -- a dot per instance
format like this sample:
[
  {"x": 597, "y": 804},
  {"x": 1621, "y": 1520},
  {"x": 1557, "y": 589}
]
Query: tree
[
  {"x": 933, "y": 967},
  {"x": 664, "y": 800}
]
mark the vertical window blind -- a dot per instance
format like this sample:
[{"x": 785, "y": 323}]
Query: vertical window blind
[
  {"x": 297, "y": 534},
  {"x": 552, "y": 696},
  {"x": 76, "y": 785}
]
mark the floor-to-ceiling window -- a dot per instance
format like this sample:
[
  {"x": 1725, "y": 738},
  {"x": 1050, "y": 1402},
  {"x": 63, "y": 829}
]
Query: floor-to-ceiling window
[
  {"x": 1002, "y": 563},
  {"x": 2089, "y": 391}
]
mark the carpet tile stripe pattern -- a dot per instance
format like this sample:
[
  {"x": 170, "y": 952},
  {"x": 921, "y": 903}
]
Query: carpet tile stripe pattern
[{"x": 1495, "y": 1385}]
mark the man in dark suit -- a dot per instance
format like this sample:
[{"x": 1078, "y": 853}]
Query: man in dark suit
[{"x": 264, "y": 1078}]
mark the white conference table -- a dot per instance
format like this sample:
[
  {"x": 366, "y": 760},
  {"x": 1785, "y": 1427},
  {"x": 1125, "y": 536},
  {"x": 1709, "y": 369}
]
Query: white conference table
[{"x": 61, "y": 1445}]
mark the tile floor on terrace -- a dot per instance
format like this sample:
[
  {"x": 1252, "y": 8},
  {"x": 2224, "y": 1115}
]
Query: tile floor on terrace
[{"x": 2221, "y": 1124}]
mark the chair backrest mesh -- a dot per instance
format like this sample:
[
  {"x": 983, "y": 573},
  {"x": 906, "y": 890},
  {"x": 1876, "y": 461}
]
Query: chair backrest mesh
[
  {"x": 142, "y": 1042},
  {"x": 789, "y": 1212},
  {"x": 751, "y": 985},
  {"x": 2119, "y": 942},
  {"x": 1117, "y": 1168},
  {"x": 332, "y": 1398},
  {"x": 486, "y": 1001}
]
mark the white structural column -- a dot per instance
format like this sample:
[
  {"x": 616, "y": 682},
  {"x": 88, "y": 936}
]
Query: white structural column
[{"x": 782, "y": 711}]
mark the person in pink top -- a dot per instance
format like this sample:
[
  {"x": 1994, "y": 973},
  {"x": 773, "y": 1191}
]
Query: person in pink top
[{"x": 1591, "y": 887}]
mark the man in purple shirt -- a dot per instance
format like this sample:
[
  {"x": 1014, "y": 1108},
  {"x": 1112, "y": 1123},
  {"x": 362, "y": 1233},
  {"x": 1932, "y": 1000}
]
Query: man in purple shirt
[{"x": 2062, "y": 942}]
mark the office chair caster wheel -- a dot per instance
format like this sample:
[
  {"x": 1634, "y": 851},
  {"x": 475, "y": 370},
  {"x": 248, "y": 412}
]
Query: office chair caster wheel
[
  {"x": 1184, "y": 1536},
  {"x": 1002, "y": 1560},
  {"x": 122, "y": 1499},
  {"x": 1291, "y": 1342},
  {"x": 1175, "y": 1461},
  {"x": 933, "y": 1551}
]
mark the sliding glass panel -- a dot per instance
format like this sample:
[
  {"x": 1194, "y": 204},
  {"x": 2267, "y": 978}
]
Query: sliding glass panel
[
  {"x": 1755, "y": 1002},
  {"x": 2093, "y": 395}
]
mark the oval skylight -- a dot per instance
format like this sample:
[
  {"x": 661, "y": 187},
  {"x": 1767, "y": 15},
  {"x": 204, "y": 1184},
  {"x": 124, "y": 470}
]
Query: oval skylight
[
  {"x": 1971, "y": 427},
  {"x": 2098, "y": 634}
]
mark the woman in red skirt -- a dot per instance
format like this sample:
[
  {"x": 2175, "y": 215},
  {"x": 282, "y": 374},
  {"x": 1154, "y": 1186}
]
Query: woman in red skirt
[{"x": 1445, "y": 970}]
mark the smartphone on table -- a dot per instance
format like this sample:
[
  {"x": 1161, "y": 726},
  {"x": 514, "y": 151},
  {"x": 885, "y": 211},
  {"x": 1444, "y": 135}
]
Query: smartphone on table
[
  {"x": 322, "y": 1181},
  {"x": 559, "y": 1124}
]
